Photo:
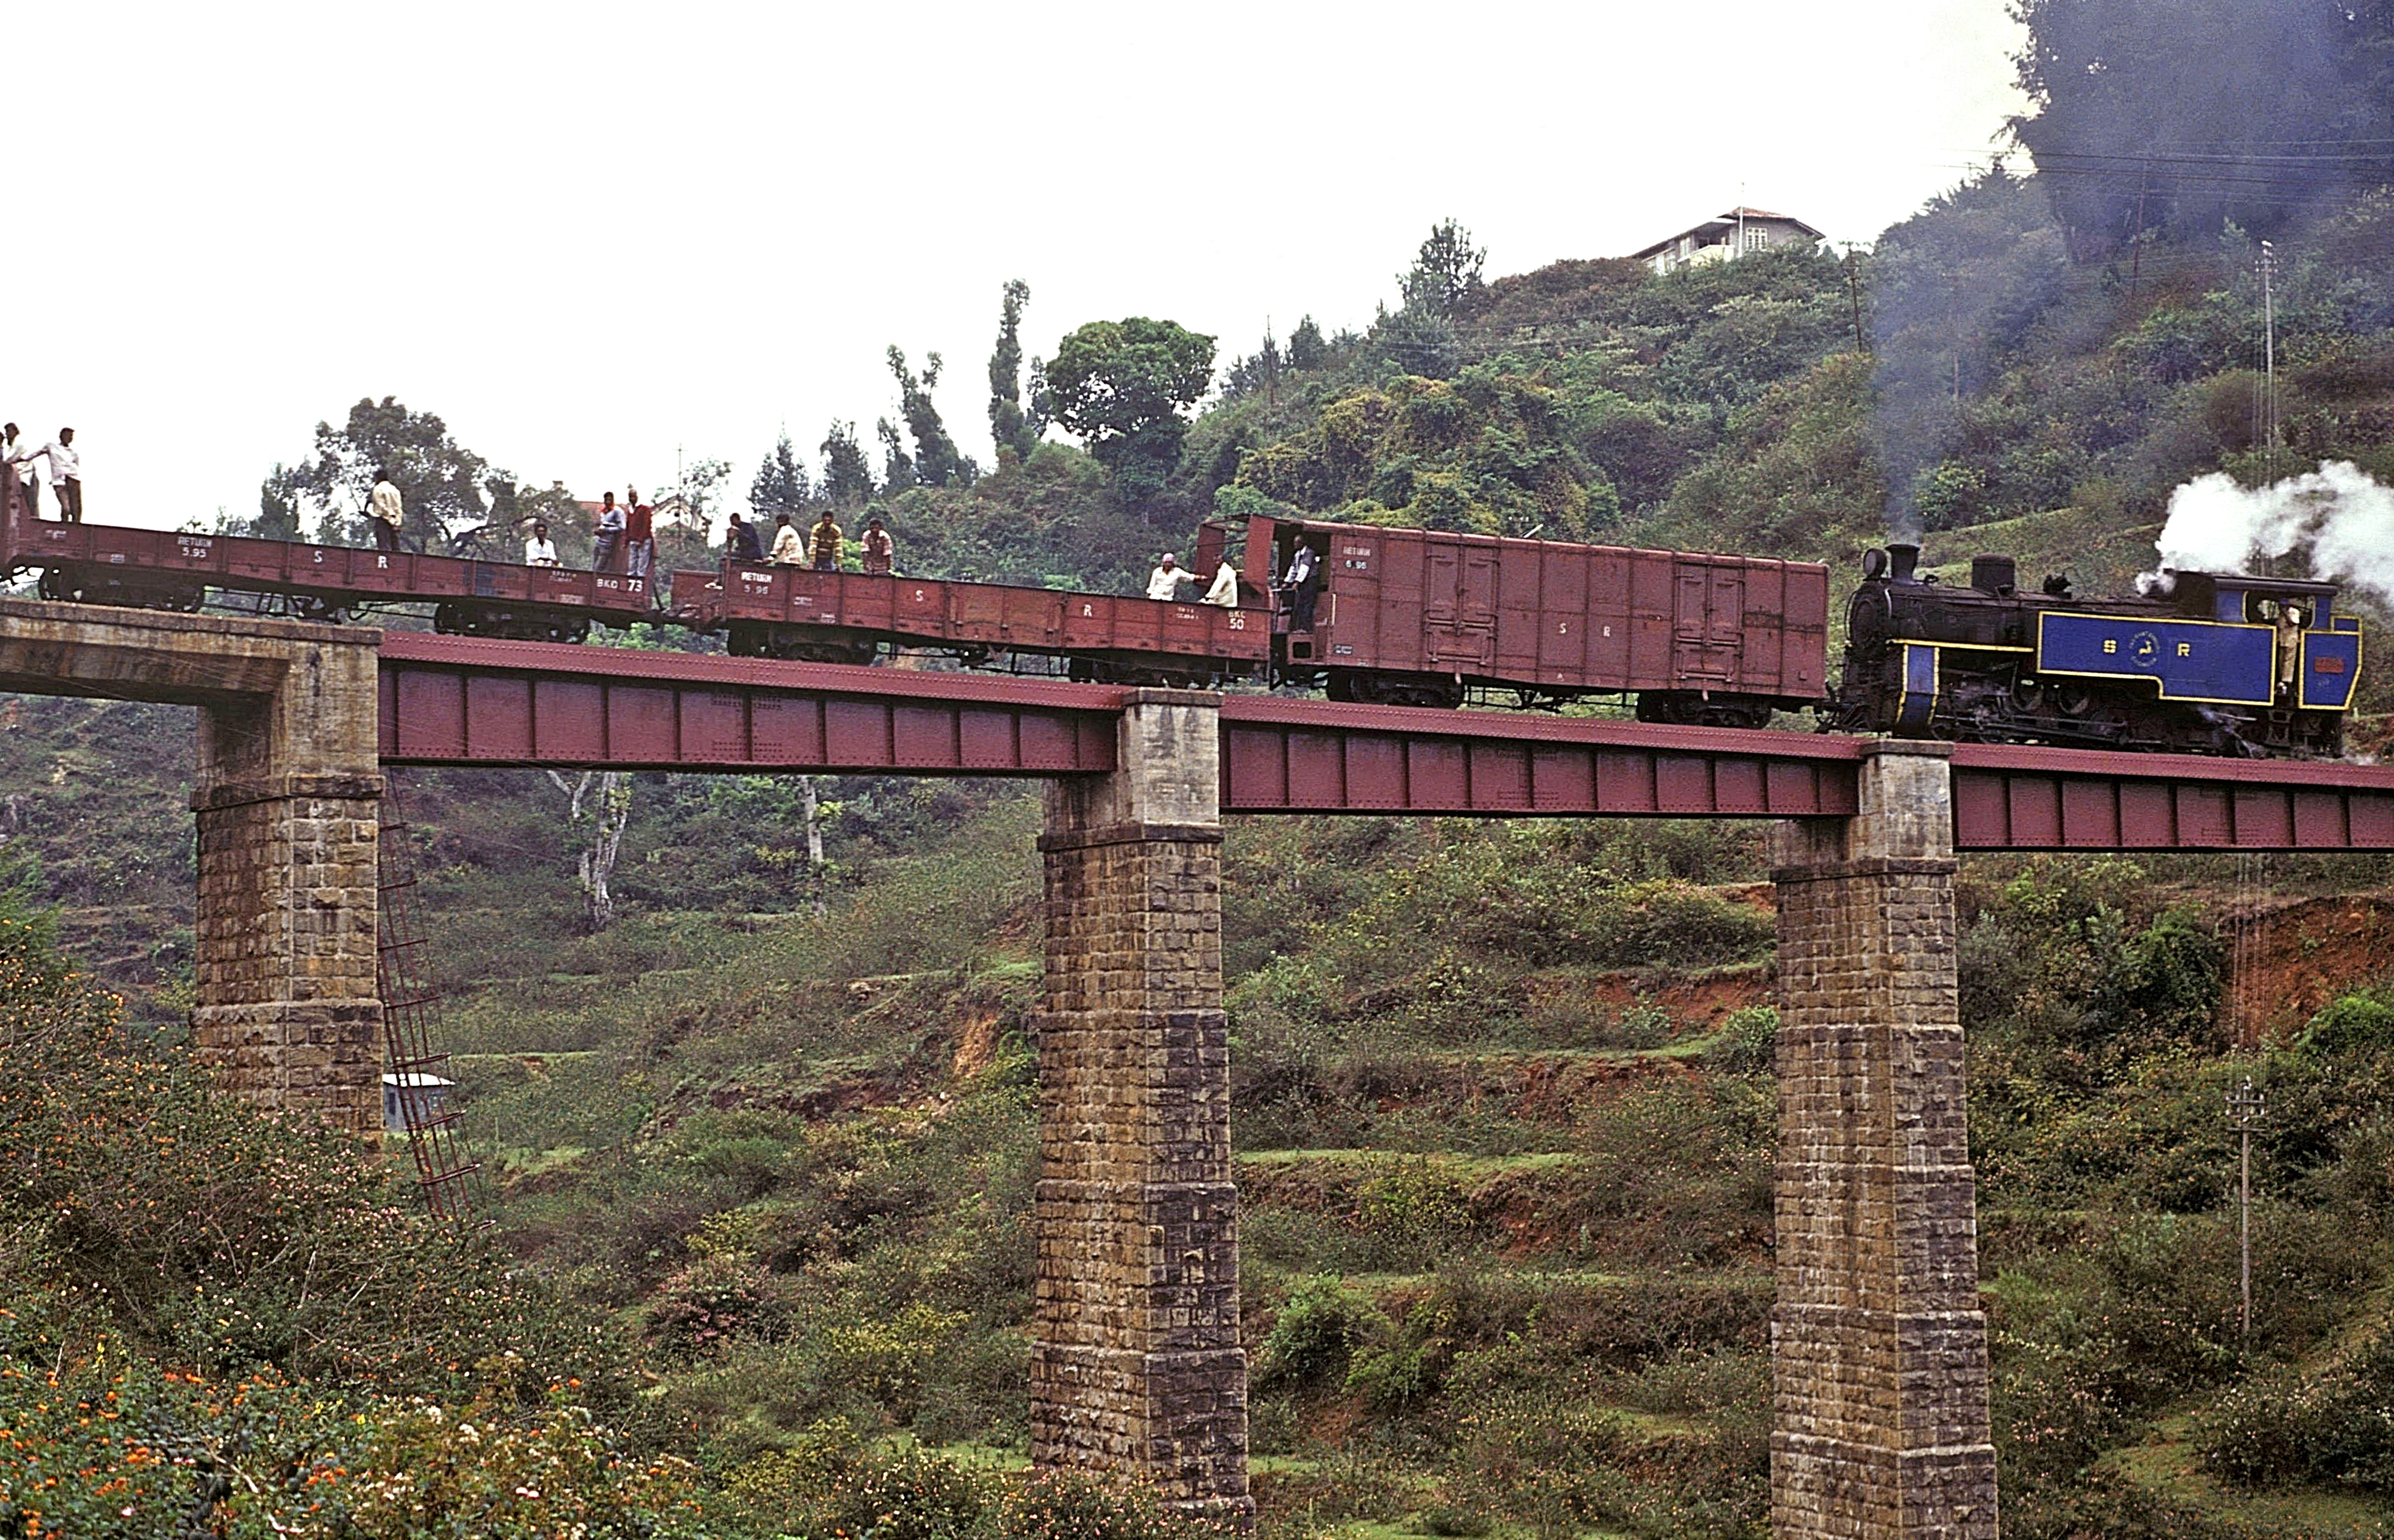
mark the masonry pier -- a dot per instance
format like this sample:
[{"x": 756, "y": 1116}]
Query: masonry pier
[
  {"x": 1879, "y": 1345},
  {"x": 1136, "y": 1366},
  {"x": 287, "y": 1013}
]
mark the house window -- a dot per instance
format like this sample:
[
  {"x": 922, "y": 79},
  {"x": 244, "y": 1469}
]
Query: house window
[{"x": 1757, "y": 238}]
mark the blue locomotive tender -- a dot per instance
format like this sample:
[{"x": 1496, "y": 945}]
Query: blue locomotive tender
[{"x": 2209, "y": 663}]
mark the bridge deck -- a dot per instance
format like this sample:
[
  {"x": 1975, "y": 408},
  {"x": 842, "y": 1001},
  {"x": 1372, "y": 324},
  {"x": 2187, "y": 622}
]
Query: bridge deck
[{"x": 463, "y": 700}]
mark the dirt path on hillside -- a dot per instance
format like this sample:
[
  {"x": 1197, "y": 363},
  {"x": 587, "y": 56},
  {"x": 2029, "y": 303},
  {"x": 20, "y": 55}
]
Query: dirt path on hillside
[{"x": 2286, "y": 959}]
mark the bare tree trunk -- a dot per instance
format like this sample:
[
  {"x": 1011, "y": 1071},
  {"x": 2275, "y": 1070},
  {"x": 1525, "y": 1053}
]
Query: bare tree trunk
[
  {"x": 811, "y": 804},
  {"x": 575, "y": 792},
  {"x": 598, "y": 863}
]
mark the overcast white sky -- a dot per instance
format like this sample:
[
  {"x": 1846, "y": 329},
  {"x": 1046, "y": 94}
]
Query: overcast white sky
[{"x": 592, "y": 236}]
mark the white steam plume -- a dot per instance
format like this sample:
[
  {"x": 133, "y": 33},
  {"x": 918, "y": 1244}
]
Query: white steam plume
[{"x": 2344, "y": 518}]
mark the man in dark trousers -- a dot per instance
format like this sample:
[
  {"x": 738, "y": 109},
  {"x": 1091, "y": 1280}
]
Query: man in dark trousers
[
  {"x": 384, "y": 511},
  {"x": 1302, "y": 583},
  {"x": 66, "y": 475},
  {"x": 741, "y": 540}
]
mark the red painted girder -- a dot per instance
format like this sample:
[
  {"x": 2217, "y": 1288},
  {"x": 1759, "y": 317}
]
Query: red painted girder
[
  {"x": 1287, "y": 755},
  {"x": 469, "y": 701},
  {"x": 2016, "y": 798},
  {"x": 473, "y": 701}
]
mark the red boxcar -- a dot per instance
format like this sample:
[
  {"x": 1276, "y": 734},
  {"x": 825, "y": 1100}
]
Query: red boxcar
[
  {"x": 1419, "y": 616},
  {"x": 844, "y": 617},
  {"x": 161, "y": 568}
]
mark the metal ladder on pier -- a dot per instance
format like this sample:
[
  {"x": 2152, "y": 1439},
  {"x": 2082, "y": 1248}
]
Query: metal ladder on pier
[{"x": 450, "y": 1183}]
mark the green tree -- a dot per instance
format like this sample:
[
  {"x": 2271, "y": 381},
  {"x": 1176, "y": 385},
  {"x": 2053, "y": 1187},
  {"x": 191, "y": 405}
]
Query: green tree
[
  {"x": 1125, "y": 386},
  {"x": 1305, "y": 347},
  {"x": 780, "y": 484},
  {"x": 278, "y": 510},
  {"x": 1444, "y": 280},
  {"x": 847, "y": 474},
  {"x": 938, "y": 462},
  {"x": 1009, "y": 427},
  {"x": 440, "y": 480},
  {"x": 897, "y": 466},
  {"x": 2179, "y": 114}
]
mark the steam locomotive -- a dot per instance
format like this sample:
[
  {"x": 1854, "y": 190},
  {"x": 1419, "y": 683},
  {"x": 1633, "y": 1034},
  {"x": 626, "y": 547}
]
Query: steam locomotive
[{"x": 2202, "y": 663}]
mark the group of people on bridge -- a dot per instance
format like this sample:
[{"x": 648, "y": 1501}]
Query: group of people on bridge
[
  {"x": 21, "y": 463},
  {"x": 820, "y": 547},
  {"x": 1300, "y": 582},
  {"x": 623, "y": 538}
]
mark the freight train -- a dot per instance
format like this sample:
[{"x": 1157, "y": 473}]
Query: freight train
[{"x": 2219, "y": 664}]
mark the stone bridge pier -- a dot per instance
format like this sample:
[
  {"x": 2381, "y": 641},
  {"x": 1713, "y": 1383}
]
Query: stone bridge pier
[
  {"x": 1136, "y": 1366},
  {"x": 286, "y": 798},
  {"x": 1878, "y": 1346}
]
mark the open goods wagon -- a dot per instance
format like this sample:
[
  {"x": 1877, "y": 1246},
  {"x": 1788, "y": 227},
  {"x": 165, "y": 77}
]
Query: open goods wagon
[
  {"x": 166, "y": 570},
  {"x": 844, "y": 617},
  {"x": 1421, "y": 617}
]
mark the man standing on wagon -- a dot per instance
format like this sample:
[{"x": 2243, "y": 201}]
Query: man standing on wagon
[
  {"x": 384, "y": 511},
  {"x": 825, "y": 544},
  {"x": 639, "y": 535},
  {"x": 880, "y": 552},
  {"x": 611, "y": 534},
  {"x": 17, "y": 457},
  {"x": 66, "y": 475}
]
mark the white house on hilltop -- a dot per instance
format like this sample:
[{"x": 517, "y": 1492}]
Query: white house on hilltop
[{"x": 1731, "y": 234}]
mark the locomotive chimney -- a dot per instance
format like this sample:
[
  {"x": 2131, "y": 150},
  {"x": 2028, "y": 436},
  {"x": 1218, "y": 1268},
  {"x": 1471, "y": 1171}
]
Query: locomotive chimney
[
  {"x": 1993, "y": 575},
  {"x": 1903, "y": 559}
]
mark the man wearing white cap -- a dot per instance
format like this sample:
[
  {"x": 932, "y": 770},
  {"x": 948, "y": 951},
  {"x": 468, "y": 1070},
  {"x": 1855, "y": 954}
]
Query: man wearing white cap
[{"x": 1165, "y": 581}]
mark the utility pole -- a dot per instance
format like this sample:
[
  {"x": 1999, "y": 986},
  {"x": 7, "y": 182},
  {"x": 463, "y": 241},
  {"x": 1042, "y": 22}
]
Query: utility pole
[
  {"x": 2136, "y": 240},
  {"x": 2269, "y": 366},
  {"x": 2247, "y": 1108},
  {"x": 1957, "y": 342},
  {"x": 1271, "y": 367},
  {"x": 1854, "y": 289}
]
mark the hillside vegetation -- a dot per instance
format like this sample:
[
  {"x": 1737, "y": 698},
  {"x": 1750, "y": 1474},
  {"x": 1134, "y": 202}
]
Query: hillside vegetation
[{"x": 761, "y": 1150}]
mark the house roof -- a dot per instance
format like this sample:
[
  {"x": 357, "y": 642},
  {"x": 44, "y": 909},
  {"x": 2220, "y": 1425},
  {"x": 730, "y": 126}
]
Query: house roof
[{"x": 1720, "y": 225}]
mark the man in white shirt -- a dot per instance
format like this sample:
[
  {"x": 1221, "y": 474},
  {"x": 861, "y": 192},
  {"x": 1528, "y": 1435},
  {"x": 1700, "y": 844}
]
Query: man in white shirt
[
  {"x": 1165, "y": 581},
  {"x": 789, "y": 549},
  {"x": 1225, "y": 591},
  {"x": 66, "y": 475},
  {"x": 385, "y": 509},
  {"x": 540, "y": 551},
  {"x": 17, "y": 457}
]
